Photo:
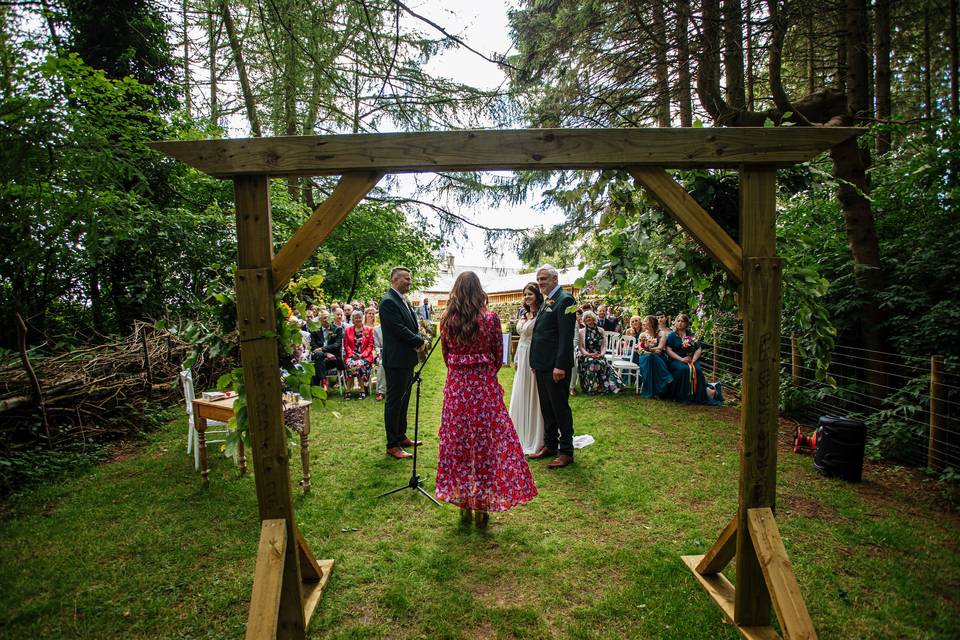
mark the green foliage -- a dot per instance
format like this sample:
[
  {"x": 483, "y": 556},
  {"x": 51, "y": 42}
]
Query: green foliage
[{"x": 33, "y": 466}]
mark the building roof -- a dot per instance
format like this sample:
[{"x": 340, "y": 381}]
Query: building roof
[
  {"x": 517, "y": 281},
  {"x": 448, "y": 276}
]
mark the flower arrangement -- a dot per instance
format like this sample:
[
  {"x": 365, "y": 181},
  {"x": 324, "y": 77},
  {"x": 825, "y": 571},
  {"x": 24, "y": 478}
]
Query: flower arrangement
[{"x": 688, "y": 342}]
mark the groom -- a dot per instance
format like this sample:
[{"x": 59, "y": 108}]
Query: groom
[{"x": 551, "y": 358}]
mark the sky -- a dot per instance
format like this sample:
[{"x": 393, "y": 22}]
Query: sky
[{"x": 483, "y": 26}]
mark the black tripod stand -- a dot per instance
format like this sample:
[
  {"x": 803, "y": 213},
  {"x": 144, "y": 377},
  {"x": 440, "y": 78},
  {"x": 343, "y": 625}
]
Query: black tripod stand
[{"x": 415, "y": 482}]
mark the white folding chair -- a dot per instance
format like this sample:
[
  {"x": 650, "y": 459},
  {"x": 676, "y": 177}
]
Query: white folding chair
[
  {"x": 611, "y": 342},
  {"x": 193, "y": 438},
  {"x": 623, "y": 362}
]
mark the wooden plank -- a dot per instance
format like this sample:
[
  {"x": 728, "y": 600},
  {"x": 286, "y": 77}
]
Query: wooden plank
[
  {"x": 722, "y": 551},
  {"x": 261, "y": 377},
  {"x": 721, "y": 591},
  {"x": 350, "y": 190},
  {"x": 507, "y": 150},
  {"x": 267, "y": 579},
  {"x": 787, "y": 600},
  {"x": 760, "y": 305},
  {"x": 256, "y": 315},
  {"x": 313, "y": 591},
  {"x": 692, "y": 217}
]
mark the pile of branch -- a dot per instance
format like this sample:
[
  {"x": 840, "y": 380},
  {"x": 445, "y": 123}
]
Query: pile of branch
[{"x": 91, "y": 392}]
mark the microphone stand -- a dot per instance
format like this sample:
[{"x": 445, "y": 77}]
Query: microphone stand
[{"x": 415, "y": 482}]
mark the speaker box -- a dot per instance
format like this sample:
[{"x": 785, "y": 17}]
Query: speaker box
[{"x": 840, "y": 446}]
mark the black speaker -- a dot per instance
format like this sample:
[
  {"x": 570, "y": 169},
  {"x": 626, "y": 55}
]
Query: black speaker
[{"x": 840, "y": 446}]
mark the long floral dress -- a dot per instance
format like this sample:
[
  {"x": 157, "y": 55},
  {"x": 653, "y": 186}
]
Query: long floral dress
[
  {"x": 481, "y": 465},
  {"x": 596, "y": 374}
]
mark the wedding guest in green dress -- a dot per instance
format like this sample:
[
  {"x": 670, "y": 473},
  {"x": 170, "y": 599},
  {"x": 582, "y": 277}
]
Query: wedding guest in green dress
[
  {"x": 654, "y": 375},
  {"x": 683, "y": 349}
]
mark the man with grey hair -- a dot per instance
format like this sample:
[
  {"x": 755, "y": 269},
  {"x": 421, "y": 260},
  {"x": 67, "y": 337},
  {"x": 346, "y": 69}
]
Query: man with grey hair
[
  {"x": 401, "y": 344},
  {"x": 551, "y": 358}
]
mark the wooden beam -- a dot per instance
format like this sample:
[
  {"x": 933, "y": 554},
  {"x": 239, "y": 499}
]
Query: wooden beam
[
  {"x": 261, "y": 377},
  {"x": 312, "y": 592},
  {"x": 722, "y": 593},
  {"x": 267, "y": 580},
  {"x": 350, "y": 190},
  {"x": 692, "y": 217},
  {"x": 787, "y": 601},
  {"x": 507, "y": 150},
  {"x": 760, "y": 306},
  {"x": 722, "y": 551}
]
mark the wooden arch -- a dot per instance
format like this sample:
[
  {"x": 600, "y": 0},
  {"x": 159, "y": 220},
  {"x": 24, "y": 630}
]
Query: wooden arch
[{"x": 289, "y": 580}]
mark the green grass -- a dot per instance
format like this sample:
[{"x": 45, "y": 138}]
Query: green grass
[{"x": 134, "y": 548}]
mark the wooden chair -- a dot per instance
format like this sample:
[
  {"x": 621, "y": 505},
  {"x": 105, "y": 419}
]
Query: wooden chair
[{"x": 193, "y": 438}]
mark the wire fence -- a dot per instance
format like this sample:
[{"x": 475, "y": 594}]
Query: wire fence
[{"x": 909, "y": 403}]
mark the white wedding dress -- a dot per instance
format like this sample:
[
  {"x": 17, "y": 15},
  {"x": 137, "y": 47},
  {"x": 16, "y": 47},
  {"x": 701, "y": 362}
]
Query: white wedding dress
[{"x": 524, "y": 401}]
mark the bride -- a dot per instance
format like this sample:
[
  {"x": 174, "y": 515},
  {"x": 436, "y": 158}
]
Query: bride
[{"x": 524, "y": 402}]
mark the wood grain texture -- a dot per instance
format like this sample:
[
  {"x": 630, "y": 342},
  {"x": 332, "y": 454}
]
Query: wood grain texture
[
  {"x": 722, "y": 592},
  {"x": 261, "y": 378},
  {"x": 692, "y": 217},
  {"x": 505, "y": 150},
  {"x": 349, "y": 191},
  {"x": 722, "y": 551},
  {"x": 267, "y": 580},
  {"x": 787, "y": 601},
  {"x": 760, "y": 305},
  {"x": 256, "y": 315},
  {"x": 313, "y": 591}
]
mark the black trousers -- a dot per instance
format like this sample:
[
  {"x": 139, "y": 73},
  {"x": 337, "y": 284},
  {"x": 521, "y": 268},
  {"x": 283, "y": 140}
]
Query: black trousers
[
  {"x": 396, "y": 404},
  {"x": 555, "y": 406}
]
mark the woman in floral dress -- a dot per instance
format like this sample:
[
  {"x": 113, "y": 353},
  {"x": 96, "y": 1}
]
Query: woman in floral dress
[
  {"x": 481, "y": 467},
  {"x": 596, "y": 374},
  {"x": 358, "y": 355}
]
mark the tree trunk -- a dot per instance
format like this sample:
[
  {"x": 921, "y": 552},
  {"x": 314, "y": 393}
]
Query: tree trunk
[
  {"x": 290, "y": 101},
  {"x": 840, "y": 81},
  {"x": 212, "y": 63},
  {"x": 186, "y": 59},
  {"x": 684, "y": 81},
  {"x": 733, "y": 53},
  {"x": 661, "y": 70},
  {"x": 927, "y": 71},
  {"x": 883, "y": 71},
  {"x": 954, "y": 63},
  {"x": 235, "y": 48},
  {"x": 751, "y": 101},
  {"x": 811, "y": 52}
]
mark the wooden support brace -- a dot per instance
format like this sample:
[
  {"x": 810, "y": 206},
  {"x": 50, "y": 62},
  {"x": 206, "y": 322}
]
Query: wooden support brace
[
  {"x": 267, "y": 580},
  {"x": 350, "y": 190},
  {"x": 722, "y": 592},
  {"x": 778, "y": 573},
  {"x": 722, "y": 551},
  {"x": 692, "y": 217}
]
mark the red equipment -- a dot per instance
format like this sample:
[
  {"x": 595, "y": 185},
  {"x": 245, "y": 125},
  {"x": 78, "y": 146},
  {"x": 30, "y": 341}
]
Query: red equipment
[{"x": 804, "y": 443}]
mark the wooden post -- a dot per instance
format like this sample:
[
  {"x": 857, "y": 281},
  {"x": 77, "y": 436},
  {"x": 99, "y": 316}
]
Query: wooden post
[
  {"x": 760, "y": 300},
  {"x": 934, "y": 459},
  {"x": 256, "y": 321},
  {"x": 794, "y": 361},
  {"x": 716, "y": 348}
]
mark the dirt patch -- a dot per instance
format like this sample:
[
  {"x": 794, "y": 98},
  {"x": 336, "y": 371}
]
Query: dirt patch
[
  {"x": 805, "y": 505},
  {"x": 122, "y": 450}
]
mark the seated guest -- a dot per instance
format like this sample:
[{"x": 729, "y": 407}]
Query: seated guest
[
  {"x": 596, "y": 374},
  {"x": 654, "y": 375},
  {"x": 338, "y": 317},
  {"x": 663, "y": 324},
  {"x": 683, "y": 350},
  {"x": 634, "y": 328},
  {"x": 325, "y": 347},
  {"x": 370, "y": 317},
  {"x": 606, "y": 320},
  {"x": 378, "y": 359},
  {"x": 358, "y": 355},
  {"x": 347, "y": 311}
]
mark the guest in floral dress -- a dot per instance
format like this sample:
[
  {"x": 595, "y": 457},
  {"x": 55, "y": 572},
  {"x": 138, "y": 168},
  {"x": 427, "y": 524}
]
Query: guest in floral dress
[
  {"x": 683, "y": 350},
  {"x": 358, "y": 355},
  {"x": 596, "y": 374},
  {"x": 481, "y": 467}
]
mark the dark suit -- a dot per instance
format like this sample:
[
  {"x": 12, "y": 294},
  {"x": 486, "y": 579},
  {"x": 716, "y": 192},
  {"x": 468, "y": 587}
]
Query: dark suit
[
  {"x": 326, "y": 340},
  {"x": 399, "y": 356},
  {"x": 552, "y": 348}
]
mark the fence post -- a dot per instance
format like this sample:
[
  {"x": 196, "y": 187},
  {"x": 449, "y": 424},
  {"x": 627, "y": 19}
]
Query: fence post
[
  {"x": 715, "y": 345},
  {"x": 936, "y": 418},
  {"x": 794, "y": 361}
]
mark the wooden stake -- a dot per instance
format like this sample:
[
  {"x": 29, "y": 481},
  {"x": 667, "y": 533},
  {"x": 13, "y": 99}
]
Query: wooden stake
[
  {"x": 722, "y": 551},
  {"x": 261, "y": 376},
  {"x": 716, "y": 348},
  {"x": 760, "y": 300},
  {"x": 934, "y": 459},
  {"x": 268, "y": 576}
]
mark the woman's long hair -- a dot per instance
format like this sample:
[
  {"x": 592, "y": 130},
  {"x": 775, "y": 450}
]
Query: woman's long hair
[
  {"x": 532, "y": 286},
  {"x": 466, "y": 301}
]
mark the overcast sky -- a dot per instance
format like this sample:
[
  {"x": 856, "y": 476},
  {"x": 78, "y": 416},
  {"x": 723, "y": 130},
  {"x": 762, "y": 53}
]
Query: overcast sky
[{"x": 483, "y": 26}]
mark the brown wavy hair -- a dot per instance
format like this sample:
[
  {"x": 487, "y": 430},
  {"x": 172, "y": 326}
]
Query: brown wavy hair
[
  {"x": 535, "y": 288},
  {"x": 467, "y": 300}
]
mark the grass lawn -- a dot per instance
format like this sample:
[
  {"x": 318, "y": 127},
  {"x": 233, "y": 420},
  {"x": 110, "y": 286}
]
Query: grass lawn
[{"x": 134, "y": 548}]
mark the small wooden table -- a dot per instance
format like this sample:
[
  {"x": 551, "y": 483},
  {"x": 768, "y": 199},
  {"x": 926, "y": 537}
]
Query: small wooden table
[{"x": 222, "y": 410}]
